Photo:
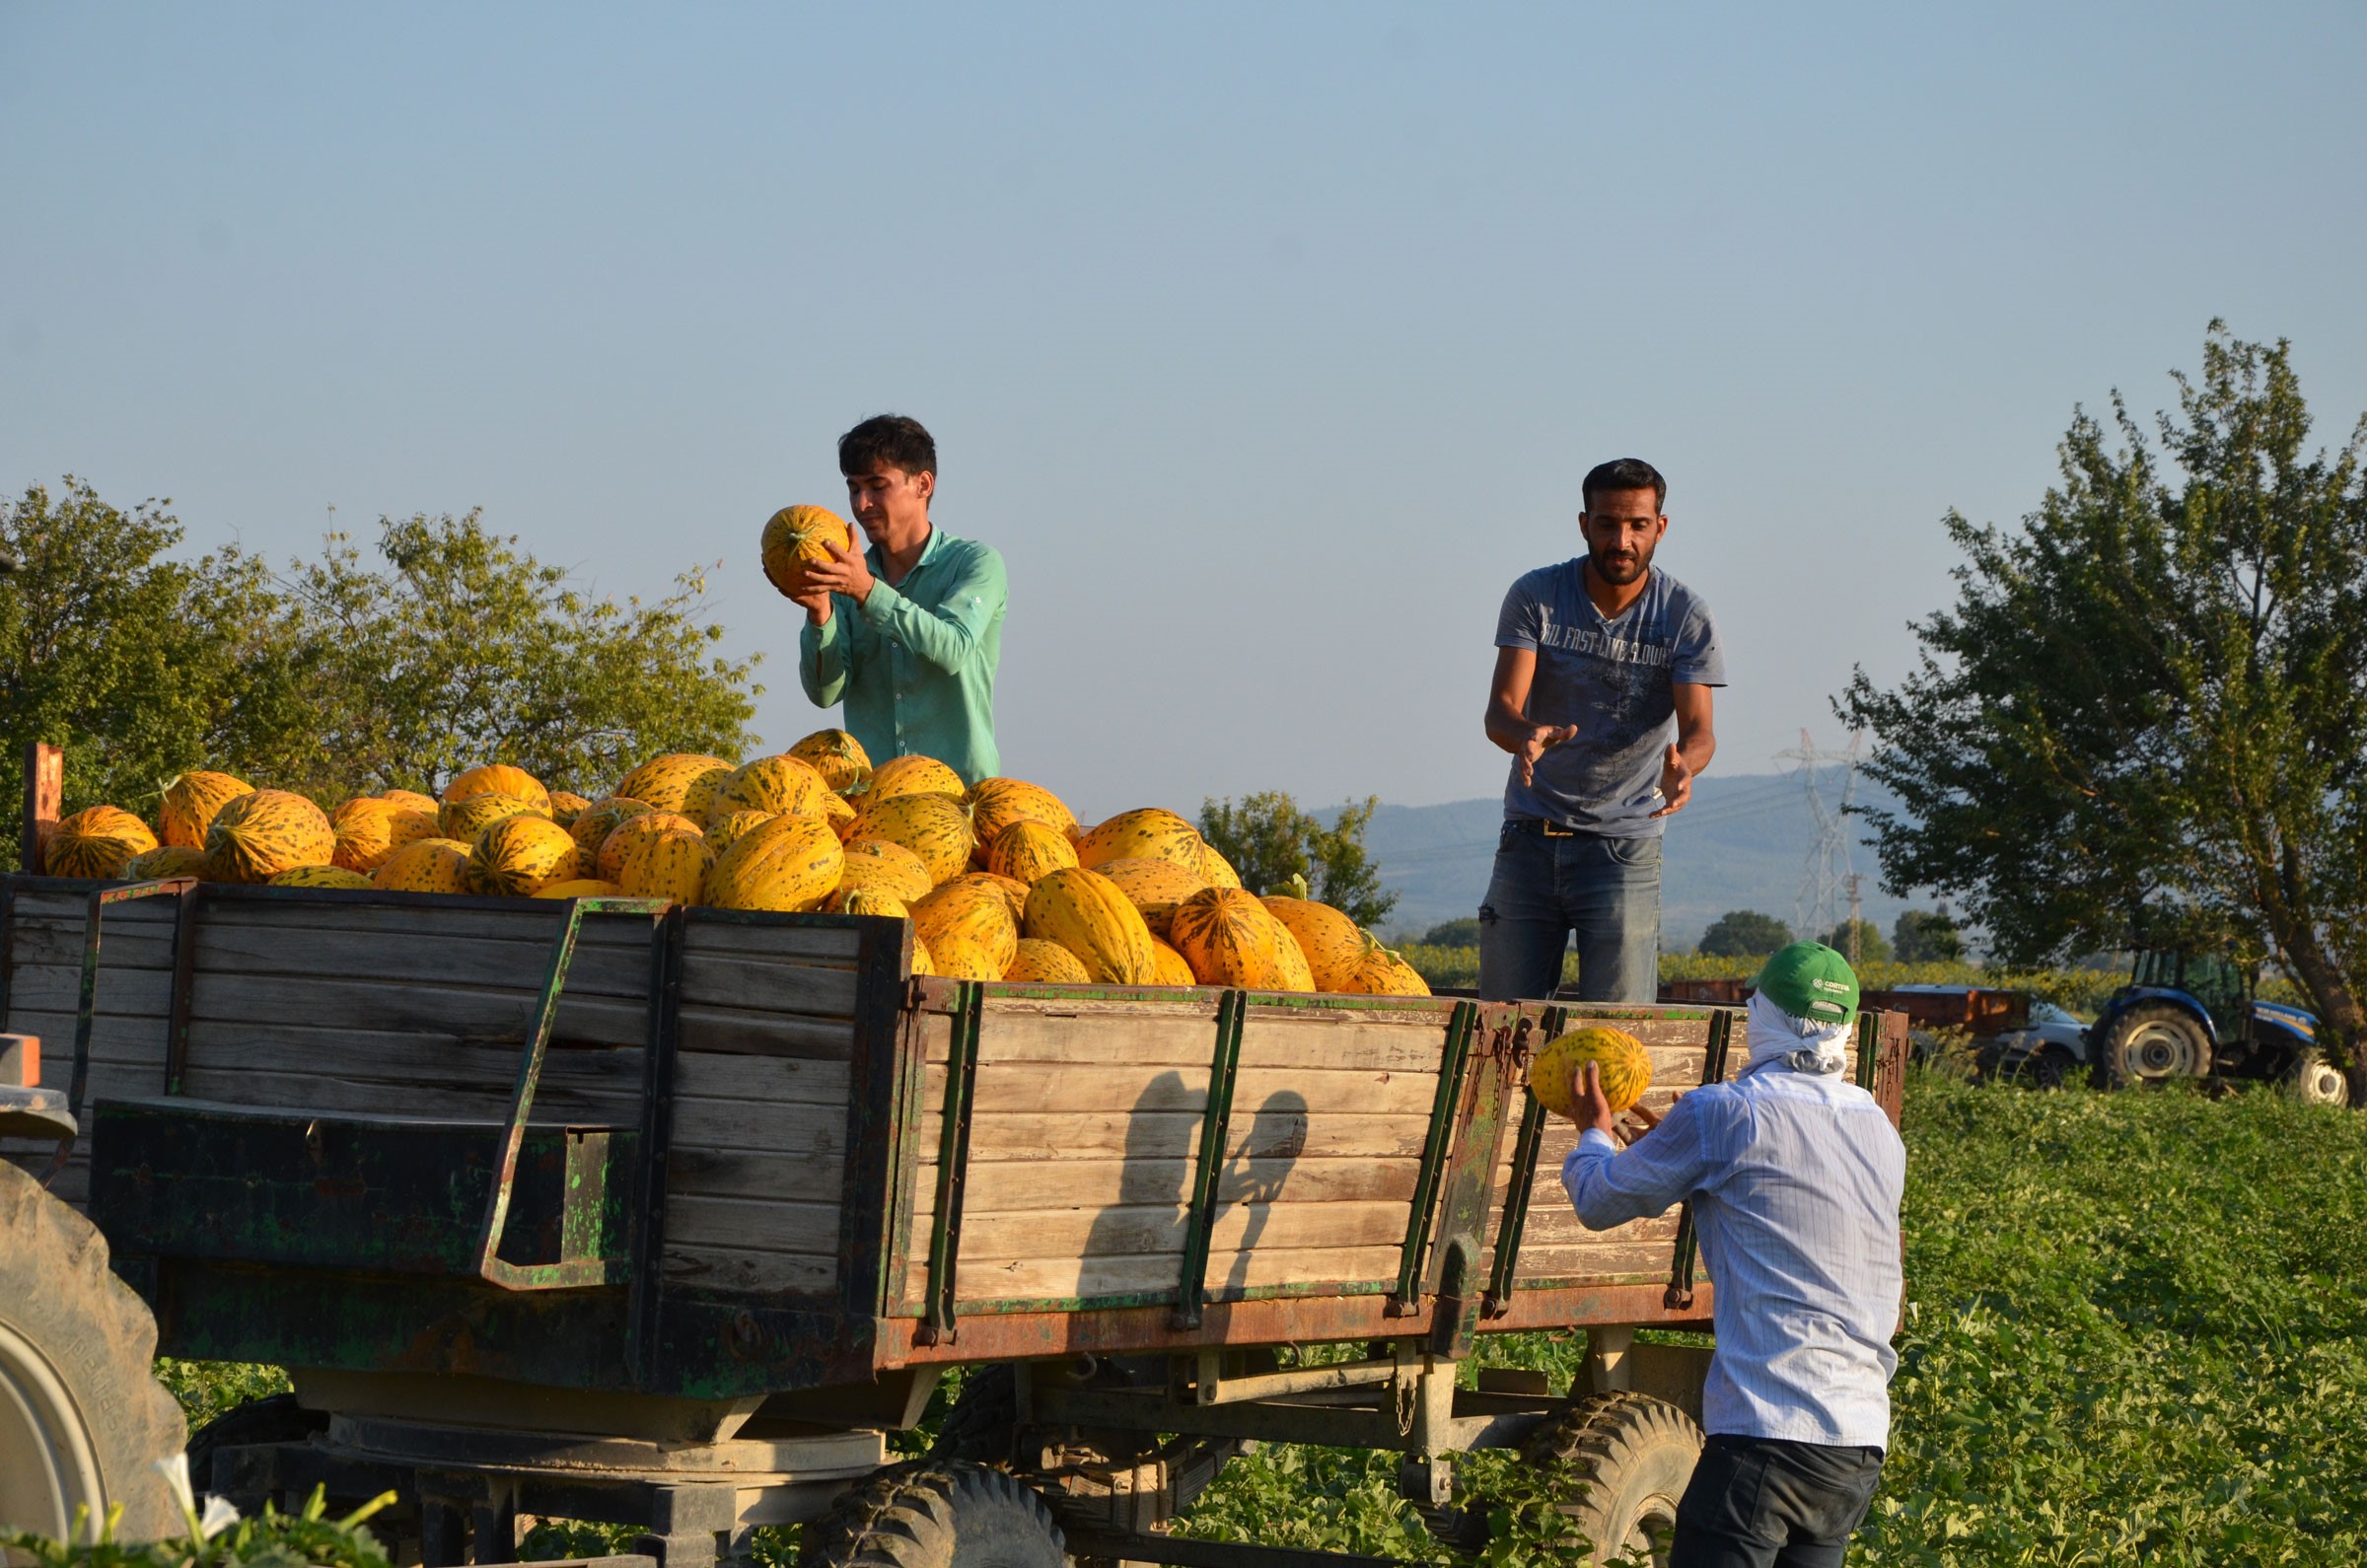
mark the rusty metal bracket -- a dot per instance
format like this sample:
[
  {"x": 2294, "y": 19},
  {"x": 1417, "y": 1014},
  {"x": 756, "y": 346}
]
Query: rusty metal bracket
[
  {"x": 1869, "y": 1049},
  {"x": 657, "y": 1138},
  {"x": 1504, "y": 1270},
  {"x": 1455, "y": 1272},
  {"x": 1215, "y": 1135},
  {"x": 1688, "y": 1243},
  {"x": 86, "y": 1009},
  {"x": 952, "y": 1160},
  {"x": 1462, "y": 1023},
  {"x": 568, "y": 1273}
]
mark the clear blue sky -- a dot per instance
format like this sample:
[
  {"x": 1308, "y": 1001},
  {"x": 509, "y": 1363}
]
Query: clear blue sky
[{"x": 1267, "y": 343}]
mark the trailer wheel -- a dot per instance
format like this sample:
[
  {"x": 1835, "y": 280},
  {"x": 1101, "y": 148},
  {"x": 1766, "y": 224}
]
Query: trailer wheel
[
  {"x": 930, "y": 1513},
  {"x": 2150, "y": 1044},
  {"x": 83, "y": 1421},
  {"x": 2318, "y": 1081},
  {"x": 1619, "y": 1462}
]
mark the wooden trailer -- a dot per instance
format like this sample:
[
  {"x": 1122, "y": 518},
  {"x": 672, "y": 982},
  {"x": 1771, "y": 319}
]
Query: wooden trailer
[{"x": 665, "y": 1216}]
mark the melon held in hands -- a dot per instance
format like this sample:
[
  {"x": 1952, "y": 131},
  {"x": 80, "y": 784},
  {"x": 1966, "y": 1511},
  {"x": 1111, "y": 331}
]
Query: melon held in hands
[
  {"x": 798, "y": 536},
  {"x": 1619, "y": 1056}
]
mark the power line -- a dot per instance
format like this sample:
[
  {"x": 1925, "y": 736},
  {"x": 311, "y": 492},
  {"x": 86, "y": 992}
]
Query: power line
[{"x": 1829, "y": 873}]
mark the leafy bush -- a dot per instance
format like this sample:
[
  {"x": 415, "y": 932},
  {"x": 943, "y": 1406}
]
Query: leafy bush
[{"x": 218, "y": 1540}]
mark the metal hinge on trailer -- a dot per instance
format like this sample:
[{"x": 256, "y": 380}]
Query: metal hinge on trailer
[{"x": 1526, "y": 1146}]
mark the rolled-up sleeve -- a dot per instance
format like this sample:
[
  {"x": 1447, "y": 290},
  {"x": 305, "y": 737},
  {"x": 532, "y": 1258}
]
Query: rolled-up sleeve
[{"x": 1609, "y": 1186}]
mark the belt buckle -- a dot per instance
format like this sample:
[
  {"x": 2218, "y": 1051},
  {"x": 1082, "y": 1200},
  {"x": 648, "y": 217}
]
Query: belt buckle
[{"x": 1554, "y": 829}]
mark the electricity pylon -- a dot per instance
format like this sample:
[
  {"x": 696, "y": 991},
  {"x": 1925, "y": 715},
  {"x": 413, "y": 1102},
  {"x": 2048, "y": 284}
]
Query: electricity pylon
[{"x": 1826, "y": 878}]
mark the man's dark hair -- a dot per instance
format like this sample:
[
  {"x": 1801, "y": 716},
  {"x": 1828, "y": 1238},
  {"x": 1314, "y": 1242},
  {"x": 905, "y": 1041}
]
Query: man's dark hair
[
  {"x": 887, "y": 440},
  {"x": 1625, "y": 474}
]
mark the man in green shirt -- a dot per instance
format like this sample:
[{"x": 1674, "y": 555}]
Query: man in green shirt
[{"x": 909, "y": 632}]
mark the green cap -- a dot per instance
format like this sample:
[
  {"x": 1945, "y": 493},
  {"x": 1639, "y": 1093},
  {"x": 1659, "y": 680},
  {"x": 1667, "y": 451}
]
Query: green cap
[{"x": 1809, "y": 980}]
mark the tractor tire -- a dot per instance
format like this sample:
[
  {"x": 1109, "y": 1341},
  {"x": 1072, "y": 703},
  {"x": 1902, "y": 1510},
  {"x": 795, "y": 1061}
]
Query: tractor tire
[
  {"x": 936, "y": 1514},
  {"x": 1621, "y": 1462},
  {"x": 83, "y": 1421},
  {"x": 2317, "y": 1082},
  {"x": 2152, "y": 1042},
  {"x": 274, "y": 1418}
]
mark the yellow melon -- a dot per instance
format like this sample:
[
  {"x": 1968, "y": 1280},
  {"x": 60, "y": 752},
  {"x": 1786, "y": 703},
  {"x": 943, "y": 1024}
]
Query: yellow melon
[
  {"x": 920, "y": 958},
  {"x": 1381, "y": 972},
  {"x": 579, "y": 888},
  {"x": 607, "y": 863},
  {"x": 798, "y": 536},
  {"x": 958, "y": 959},
  {"x": 725, "y": 827},
  {"x": 189, "y": 807},
  {"x": 969, "y": 915},
  {"x": 259, "y": 834},
  {"x": 322, "y": 877},
  {"x": 1216, "y": 868},
  {"x": 98, "y": 842},
  {"x": 1330, "y": 941},
  {"x": 471, "y": 814},
  {"x": 592, "y": 827},
  {"x": 912, "y": 776},
  {"x": 1026, "y": 849},
  {"x": 1154, "y": 886},
  {"x": 672, "y": 865},
  {"x": 1229, "y": 939},
  {"x": 866, "y": 901},
  {"x": 520, "y": 854},
  {"x": 1086, "y": 913},
  {"x": 996, "y": 802},
  {"x": 837, "y": 755},
  {"x": 566, "y": 806},
  {"x": 1170, "y": 968},
  {"x": 781, "y": 785},
  {"x": 425, "y": 865},
  {"x": 1150, "y": 834},
  {"x": 498, "y": 778},
  {"x": 411, "y": 801},
  {"x": 1619, "y": 1056},
  {"x": 788, "y": 863},
  {"x": 933, "y": 826},
  {"x": 888, "y": 866},
  {"x": 164, "y": 860},
  {"x": 1040, "y": 963},
  {"x": 663, "y": 781},
  {"x": 840, "y": 812},
  {"x": 370, "y": 828}
]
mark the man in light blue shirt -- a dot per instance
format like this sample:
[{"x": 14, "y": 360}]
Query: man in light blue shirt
[
  {"x": 1796, "y": 1175},
  {"x": 908, "y": 633}
]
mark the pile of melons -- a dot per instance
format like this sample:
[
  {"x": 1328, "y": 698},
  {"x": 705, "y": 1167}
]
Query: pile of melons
[{"x": 998, "y": 879}]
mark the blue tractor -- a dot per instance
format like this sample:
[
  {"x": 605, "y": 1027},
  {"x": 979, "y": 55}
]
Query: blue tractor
[{"x": 2186, "y": 1014}]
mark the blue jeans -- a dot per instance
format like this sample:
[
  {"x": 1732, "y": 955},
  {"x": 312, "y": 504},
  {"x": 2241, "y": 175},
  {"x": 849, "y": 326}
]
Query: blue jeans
[{"x": 1605, "y": 889}]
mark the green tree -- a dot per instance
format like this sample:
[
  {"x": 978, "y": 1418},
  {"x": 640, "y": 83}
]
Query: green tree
[
  {"x": 1269, "y": 840},
  {"x": 1463, "y": 933},
  {"x": 1744, "y": 934},
  {"x": 2145, "y": 716},
  {"x": 139, "y": 664},
  {"x": 1922, "y": 936},
  {"x": 1872, "y": 946},
  {"x": 457, "y": 649}
]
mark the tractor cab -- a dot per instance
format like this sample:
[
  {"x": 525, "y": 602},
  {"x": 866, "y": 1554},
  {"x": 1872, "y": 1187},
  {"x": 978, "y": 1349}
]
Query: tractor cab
[{"x": 2189, "y": 1015}]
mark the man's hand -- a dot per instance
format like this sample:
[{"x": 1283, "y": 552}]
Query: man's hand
[
  {"x": 1675, "y": 782},
  {"x": 816, "y": 605},
  {"x": 1535, "y": 746},
  {"x": 846, "y": 572},
  {"x": 1590, "y": 1107}
]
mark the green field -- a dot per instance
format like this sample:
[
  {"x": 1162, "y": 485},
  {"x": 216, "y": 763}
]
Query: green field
[{"x": 2136, "y": 1333}]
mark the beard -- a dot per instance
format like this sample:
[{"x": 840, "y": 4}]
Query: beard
[{"x": 1621, "y": 567}]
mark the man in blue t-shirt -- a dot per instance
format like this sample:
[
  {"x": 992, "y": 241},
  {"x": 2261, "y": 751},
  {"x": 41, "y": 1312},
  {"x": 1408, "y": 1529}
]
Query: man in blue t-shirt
[{"x": 1602, "y": 694}]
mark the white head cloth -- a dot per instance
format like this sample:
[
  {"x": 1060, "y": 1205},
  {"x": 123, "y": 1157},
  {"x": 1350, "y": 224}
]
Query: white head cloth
[{"x": 1801, "y": 1044}]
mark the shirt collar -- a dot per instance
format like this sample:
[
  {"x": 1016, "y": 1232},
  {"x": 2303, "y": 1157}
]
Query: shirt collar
[{"x": 929, "y": 553}]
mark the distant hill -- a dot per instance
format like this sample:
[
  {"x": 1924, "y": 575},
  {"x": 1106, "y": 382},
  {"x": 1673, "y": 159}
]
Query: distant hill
[{"x": 1742, "y": 843}]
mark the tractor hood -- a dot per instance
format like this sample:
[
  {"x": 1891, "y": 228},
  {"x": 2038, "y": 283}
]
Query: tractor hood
[{"x": 2290, "y": 1018}]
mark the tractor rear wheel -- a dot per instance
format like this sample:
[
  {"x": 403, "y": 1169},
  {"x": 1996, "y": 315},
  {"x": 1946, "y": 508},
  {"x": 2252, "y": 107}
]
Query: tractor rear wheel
[
  {"x": 83, "y": 1420},
  {"x": 936, "y": 1514},
  {"x": 2152, "y": 1042},
  {"x": 1619, "y": 1464}
]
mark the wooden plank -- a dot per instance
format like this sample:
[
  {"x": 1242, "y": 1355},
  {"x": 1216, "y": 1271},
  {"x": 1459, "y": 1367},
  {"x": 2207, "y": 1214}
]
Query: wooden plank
[
  {"x": 706, "y": 937},
  {"x": 526, "y": 920},
  {"x": 400, "y": 1060},
  {"x": 995, "y": 1239},
  {"x": 1599, "y": 1261},
  {"x": 729, "y": 1031},
  {"x": 122, "y": 993},
  {"x": 759, "y": 1128},
  {"x": 1059, "y": 1279},
  {"x": 438, "y": 959},
  {"x": 1557, "y": 1225},
  {"x": 811, "y": 1175},
  {"x": 124, "y": 1042},
  {"x": 759, "y": 1080},
  {"x": 1064, "y": 1135},
  {"x": 727, "y": 1268},
  {"x": 1021, "y": 1036},
  {"x": 555, "y": 1104},
  {"x": 145, "y": 947},
  {"x": 1019, "y": 1186},
  {"x": 769, "y": 986},
  {"x": 699, "y": 1220},
  {"x": 1022, "y": 1087},
  {"x": 1343, "y": 1040},
  {"x": 470, "y": 1013},
  {"x": 42, "y": 903}
]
